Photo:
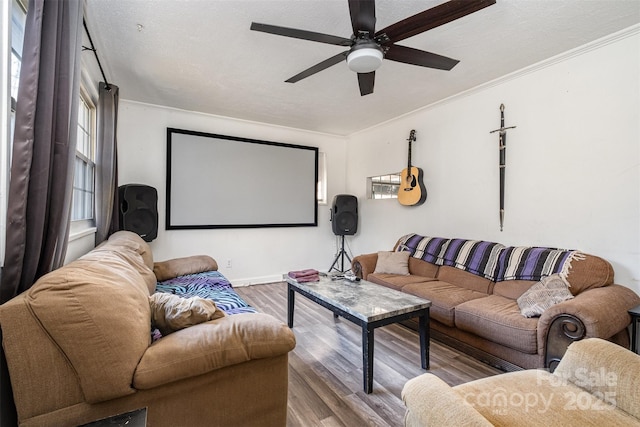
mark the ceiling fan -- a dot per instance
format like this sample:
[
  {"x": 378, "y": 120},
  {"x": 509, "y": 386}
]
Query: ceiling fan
[{"x": 367, "y": 48}]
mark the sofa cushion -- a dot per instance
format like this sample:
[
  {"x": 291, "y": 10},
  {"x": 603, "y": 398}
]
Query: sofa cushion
[
  {"x": 137, "y": 249},
  {"x": 96, "y": 309},
  {"x": 444, "y": 298},
  {"x": 549, "y": 291},
  {"x": 392, "y": 263},
  {"x": 169, "y": 269},
  {"x": 170, "y": 313},
  {"x": 143, "y": 247},
  {"x": 512, "y": 289},
  {"x": 212, "y": 345},
  {"x": 422, "y": 268},
  {"x": 464, "y": 279},
  {"x": 498, "y": 319},
  {"x": 396, "y": 281}
]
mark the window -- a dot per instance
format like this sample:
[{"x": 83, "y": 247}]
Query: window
[
  {"x": 322, "y": 178},
  {"x": 18, "y": 19},
  {"x": 383, "y": 186},
  {"x": 84, "y": 174}
]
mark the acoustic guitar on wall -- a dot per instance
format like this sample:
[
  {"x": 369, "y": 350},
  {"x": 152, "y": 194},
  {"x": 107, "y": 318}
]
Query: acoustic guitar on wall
[{"x": 412, "y": 191}]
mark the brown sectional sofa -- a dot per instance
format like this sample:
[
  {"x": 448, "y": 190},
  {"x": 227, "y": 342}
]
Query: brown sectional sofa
[
  {"x": 481, "y": 316},
  {"x": 78, "y": 347}
]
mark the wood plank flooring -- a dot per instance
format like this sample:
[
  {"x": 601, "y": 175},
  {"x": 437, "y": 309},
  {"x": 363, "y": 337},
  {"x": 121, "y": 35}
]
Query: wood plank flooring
[{"x": 325, "y": 368}]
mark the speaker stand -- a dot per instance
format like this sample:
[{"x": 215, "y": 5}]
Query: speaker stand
[{"x": 340, "y": 256}]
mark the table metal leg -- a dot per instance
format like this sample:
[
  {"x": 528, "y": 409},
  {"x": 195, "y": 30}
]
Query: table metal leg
[
  {"x": 367, "y": 358},
  {"x": 423, "y": 327},
  {"x": 291, "y": 299}
]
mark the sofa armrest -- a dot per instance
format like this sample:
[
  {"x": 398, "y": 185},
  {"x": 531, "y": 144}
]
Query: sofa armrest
[
  {"x": 431, "y": 402},
  {"x": 363, "y": 265},
  {"x": 213, "y": 345},
  {"x": 599, "y": 312},
  {"x": 180, "y": 266}
]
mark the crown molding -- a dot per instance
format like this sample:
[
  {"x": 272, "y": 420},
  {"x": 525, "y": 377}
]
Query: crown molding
[{"x": 565, "y": 56}]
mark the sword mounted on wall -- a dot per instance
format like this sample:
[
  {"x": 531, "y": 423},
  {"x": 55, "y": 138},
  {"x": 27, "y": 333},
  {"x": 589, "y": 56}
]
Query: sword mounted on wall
[{"x": 503, "y": 159}]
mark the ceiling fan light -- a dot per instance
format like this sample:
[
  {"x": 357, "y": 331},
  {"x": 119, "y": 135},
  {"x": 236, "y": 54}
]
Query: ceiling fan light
[{"x": 364, "y": 60}]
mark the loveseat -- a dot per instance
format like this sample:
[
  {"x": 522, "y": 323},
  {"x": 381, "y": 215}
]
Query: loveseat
[
  {"x": 597, "y": 383},
  {"x": 79, "y": 348},
  {"x": 475, "y": 287}
]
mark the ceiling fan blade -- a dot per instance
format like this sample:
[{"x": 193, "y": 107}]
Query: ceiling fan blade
[
  {"x": 366, "y": 81},
  {"x": 431, "y": 18},
  {"x": 409, "y": 55},
  {"x": 301, "y": 34},
  {"x": 318, "y": 67},
  {"x": 363, "y": 16}
]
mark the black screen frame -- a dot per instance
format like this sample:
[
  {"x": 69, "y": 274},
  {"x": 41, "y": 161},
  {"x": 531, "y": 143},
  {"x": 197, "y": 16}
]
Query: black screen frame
[{"x": 171, "y": 144}]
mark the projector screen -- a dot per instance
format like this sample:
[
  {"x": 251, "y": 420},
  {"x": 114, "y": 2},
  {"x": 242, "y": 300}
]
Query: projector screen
[{"x": 219, "y": 181}]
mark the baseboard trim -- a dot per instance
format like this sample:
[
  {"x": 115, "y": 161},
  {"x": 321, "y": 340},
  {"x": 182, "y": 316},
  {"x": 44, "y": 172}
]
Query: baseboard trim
[{"x": 256, "y": 280}]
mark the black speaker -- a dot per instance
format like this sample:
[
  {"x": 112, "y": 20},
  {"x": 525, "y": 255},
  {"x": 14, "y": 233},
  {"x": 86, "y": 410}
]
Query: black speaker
[
  {"x": 344, "y": 215},
  {"x": 139, "y": 210}
]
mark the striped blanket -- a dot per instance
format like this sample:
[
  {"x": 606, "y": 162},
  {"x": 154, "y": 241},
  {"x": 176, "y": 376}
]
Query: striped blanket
[
  {"x": 493, "y": 261},
  {"x": 210, "y": 285},
  {"x": 534, "y": 263},
  {"x": 475, "y": 256}
]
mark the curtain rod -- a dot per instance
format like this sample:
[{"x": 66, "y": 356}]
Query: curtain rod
[{"x": 95, "y": 53}]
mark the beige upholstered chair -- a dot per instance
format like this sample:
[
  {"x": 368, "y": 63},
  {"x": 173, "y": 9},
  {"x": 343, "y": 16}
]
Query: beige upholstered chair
[{"x": 596, "y": 383}]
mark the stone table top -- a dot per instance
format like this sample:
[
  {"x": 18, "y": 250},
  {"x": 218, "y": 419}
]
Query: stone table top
[{"x": 365, "y": 300}]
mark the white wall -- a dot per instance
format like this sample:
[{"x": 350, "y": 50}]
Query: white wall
[
  {"x": 572, "y": 177},
  {"x": 257, "y": 255},
  {"x": 573, "y": 162}
]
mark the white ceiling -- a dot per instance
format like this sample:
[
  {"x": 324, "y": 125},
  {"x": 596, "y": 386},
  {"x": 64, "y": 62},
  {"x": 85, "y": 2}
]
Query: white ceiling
[{"x": 200, "y": 55}]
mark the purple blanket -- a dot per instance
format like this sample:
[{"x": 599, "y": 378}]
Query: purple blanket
[
  {"x": 491, "y": 260},
  {"x": 475, "y": 256}
]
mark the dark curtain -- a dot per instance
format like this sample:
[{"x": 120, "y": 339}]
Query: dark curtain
[
  {"x": 106, "y": 162},
  {"x": 44, "y": 144}
]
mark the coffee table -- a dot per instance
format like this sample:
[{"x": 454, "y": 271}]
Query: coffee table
[{"x": 368, "y": 305}]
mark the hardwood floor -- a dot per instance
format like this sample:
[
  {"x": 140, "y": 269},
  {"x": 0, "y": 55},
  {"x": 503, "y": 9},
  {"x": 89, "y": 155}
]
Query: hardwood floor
[{"x": 325, "y": 368}]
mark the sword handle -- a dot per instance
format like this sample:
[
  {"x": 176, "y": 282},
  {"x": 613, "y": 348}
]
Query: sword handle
[{"x": 502, "y": 141}]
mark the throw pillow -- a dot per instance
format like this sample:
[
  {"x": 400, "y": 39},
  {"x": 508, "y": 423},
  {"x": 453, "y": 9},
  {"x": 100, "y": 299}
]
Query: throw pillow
[
  {"x": 548, "y": 291},
  {"x": 170, "y": 313},
  {"x": 393, "y": 263}
]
